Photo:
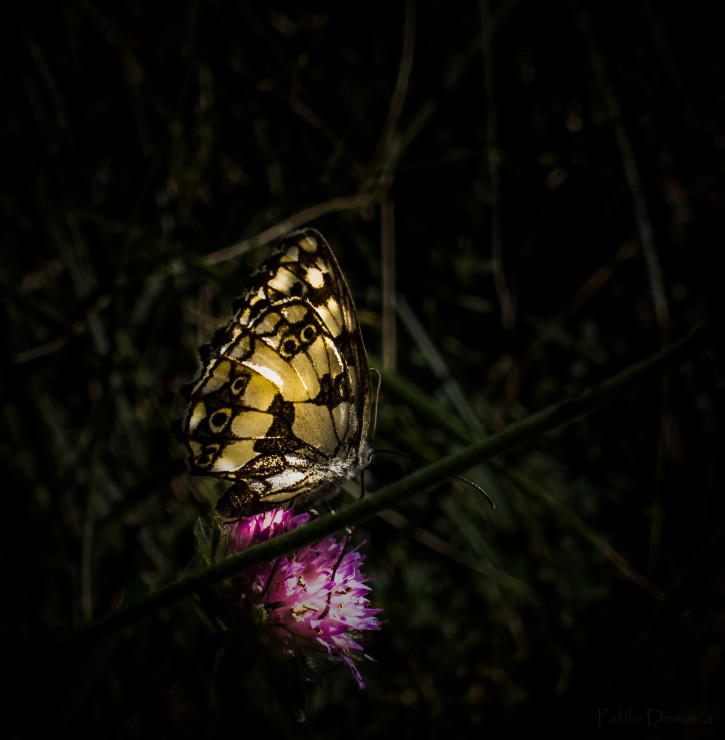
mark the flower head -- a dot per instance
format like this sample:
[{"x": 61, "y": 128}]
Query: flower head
[{"x": 312, "y": 600}]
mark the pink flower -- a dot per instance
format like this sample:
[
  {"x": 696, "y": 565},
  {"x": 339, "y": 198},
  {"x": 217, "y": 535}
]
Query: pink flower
[{"x": 312, "y": 600}]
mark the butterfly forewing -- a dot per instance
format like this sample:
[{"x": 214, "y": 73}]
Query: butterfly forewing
[{"x": 282, "y": 404}]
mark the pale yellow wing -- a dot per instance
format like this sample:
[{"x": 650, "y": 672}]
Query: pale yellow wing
[{"x": 282, "y": 405}]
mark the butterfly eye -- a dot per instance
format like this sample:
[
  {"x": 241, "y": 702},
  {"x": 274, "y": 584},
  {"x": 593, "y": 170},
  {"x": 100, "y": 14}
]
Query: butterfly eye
[{"x": 218, "y": 420}]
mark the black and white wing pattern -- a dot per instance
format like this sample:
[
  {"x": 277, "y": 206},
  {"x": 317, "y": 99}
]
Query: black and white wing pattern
[{"x": 282, "y": 406}]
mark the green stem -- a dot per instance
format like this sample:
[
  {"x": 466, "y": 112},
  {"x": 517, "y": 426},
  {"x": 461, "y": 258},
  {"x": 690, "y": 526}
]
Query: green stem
[{"x": 417, "y": 483}]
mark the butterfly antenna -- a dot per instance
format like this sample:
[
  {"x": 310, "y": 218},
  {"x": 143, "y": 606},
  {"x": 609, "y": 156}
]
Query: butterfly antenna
[{"x": 458, "y": 477}]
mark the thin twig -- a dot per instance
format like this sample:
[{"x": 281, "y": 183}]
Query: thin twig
[
  {"x": 634, "y": 182},
  {"x": 382, "y": 168},
  {"x": 494, "y": 168},
  {"x": 667, "y": 434},
  {"x": 389, "y": 133},
  {"x": 387, "y": 247},
  {"x": 295, "y": 221}
]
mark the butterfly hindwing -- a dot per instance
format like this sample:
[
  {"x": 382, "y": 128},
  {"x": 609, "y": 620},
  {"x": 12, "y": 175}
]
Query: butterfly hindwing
[{"x": 282, "y": 405}]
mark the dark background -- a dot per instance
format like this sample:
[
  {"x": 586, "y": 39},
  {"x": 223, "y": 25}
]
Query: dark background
[{"x": 587, "y": 140}]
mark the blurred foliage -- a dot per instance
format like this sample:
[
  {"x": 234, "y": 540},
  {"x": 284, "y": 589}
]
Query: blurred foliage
[{"x": 142, "y": 137}]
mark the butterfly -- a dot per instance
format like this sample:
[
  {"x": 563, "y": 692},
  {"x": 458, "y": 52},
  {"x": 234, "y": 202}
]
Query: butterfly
[{"x": 283, "y": 403}]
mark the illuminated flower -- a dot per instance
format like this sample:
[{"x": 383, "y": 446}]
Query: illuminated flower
[{"x": 312, "y": 600}]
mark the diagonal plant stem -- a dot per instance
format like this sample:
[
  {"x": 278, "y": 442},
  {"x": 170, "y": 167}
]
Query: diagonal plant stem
[
  {"x": 417, "y": 483},
  {"x": 667, "y": 436},
  {"x": 295, "y": 221}
]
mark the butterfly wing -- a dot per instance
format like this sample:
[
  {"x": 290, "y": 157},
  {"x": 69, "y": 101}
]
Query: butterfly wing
[{"x": 282, "y": 405}]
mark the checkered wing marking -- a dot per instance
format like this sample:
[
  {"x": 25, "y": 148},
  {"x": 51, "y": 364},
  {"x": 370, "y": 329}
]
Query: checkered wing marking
[{"x": 282, "y": 405}]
